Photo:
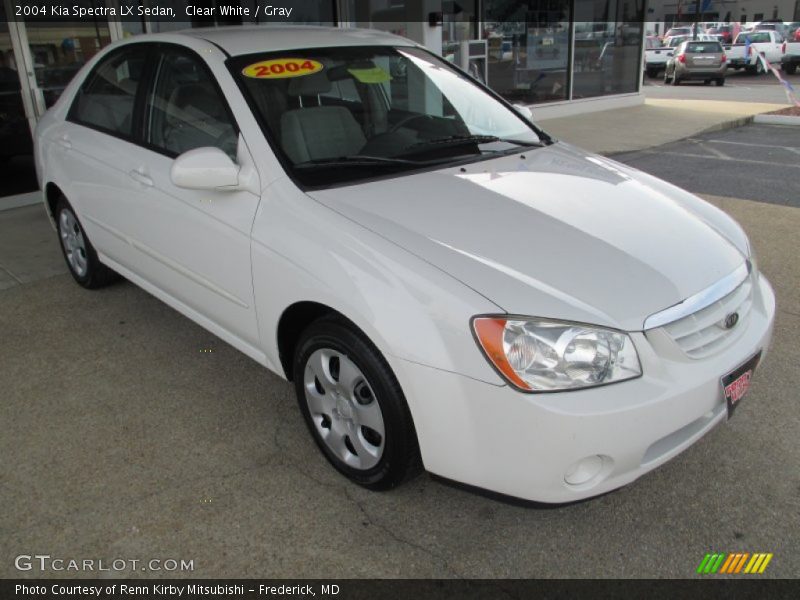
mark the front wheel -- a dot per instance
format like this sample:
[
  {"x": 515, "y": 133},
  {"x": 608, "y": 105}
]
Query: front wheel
[
  {"x": 789, "y": 69},
  {"x": 353, "y": 405},
  {"x": 78, "y": 251}
]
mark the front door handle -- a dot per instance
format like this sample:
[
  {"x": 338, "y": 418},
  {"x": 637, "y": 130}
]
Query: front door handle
[{"x": 139, "y": 176}]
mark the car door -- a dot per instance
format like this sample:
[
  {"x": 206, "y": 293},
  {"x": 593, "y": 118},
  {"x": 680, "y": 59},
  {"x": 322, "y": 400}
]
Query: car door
[
  {"x": 193, "y": 245},
  {"x": 93, "y": 145}
]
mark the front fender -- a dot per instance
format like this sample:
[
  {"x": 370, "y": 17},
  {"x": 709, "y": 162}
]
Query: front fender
[{"x": 303, "y": 251}]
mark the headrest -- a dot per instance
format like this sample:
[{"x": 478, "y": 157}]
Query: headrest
[
  {"x": 199, "y": 97},
  {"x": 310, "y": 85}
]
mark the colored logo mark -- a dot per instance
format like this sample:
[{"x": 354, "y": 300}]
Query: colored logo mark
[{"x": 734, "y": 562}]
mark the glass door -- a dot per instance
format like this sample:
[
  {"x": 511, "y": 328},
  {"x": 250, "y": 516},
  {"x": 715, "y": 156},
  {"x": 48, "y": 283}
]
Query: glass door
[
  {"x": 58, "y": 50},
  {"x": 17, "y": 173}
]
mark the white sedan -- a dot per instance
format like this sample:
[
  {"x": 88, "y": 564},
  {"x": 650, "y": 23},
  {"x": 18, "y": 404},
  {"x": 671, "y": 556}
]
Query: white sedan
[{"x": 447, "y": 286}]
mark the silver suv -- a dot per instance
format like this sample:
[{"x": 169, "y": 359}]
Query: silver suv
[{"x": 699, "y": 60}]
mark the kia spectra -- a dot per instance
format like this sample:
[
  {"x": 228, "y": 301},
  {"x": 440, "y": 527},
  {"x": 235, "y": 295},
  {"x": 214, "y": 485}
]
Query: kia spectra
[{"x": 446, "y": 286}]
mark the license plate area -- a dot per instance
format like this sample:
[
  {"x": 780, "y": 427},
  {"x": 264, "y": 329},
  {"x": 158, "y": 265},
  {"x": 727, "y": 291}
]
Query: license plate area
[{"x": 736, "y": 384}]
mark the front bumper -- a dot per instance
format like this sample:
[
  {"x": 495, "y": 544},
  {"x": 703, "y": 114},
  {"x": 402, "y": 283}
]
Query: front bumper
[{"x": 527, "y": 445}]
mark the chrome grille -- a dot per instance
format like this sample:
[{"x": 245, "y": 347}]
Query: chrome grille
[{"x": 704, "y": 332}]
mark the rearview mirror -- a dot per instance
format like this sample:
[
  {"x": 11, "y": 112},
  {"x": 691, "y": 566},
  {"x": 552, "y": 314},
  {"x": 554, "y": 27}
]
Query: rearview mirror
[
  {"x": 204, "y": 169},
  {"x": 524, "y": 111}
]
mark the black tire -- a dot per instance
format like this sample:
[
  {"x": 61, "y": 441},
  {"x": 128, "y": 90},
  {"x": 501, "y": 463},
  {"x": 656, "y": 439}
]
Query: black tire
[
  {"x": 706, "y": 82},
  {"x": 96, "y": 274},
  {"x": 675, "y": 80},
  {"x": 789, "y": 68},
  {"x": 667, "y": 79},
  {"x": 652, "y": 73},
  {"x": 400, "y": 458},
  {"x": 720, "y": 82}
]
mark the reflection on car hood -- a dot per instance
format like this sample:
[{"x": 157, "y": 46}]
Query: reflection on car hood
[{"x": 554, "y": 232}]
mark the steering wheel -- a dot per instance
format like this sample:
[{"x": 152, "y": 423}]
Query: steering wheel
[{"x": 407, "y": 120}]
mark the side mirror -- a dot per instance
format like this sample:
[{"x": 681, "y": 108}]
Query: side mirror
[
  {"x": 204, "y": 169},
  {"x": 524, "y": 111}
]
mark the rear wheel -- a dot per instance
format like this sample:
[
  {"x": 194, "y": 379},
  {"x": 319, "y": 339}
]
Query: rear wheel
[
  {"x": 706, "y": 82},
  {"x": 354, "y": 406},
  {"x": 720, "y": 82},
  {"x": 675, "y": 80},
  {"x": 667, "y": 78},
  {"x": 78, "y": 251},
  {"x": 652, "y": 73},
  {"x": 789, "y": 69}
]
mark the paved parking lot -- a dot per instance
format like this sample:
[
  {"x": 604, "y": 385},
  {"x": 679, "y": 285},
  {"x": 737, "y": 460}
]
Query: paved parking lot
[
  {"x": 130, "y": 432},
  {"x": 739, "y": 86},
  {"x": 756, "y": 162}
]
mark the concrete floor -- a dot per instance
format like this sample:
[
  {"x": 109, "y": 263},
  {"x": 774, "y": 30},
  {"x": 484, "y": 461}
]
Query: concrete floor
[{"x": 130, "y": 432}]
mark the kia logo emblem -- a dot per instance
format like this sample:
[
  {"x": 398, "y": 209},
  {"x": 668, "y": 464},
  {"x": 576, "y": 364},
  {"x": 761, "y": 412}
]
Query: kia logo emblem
[{"x": 731, "y": 320}]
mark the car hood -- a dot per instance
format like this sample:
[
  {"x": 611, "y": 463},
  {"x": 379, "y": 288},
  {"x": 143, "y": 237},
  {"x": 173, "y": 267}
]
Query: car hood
[{"x": 554, "y": 232}]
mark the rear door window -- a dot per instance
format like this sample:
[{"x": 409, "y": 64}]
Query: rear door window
[
  {"x": 107, "y": 98},
  {"x": 703, "y": 47}
]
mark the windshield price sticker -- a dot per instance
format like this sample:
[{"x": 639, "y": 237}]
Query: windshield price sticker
[{"x": 281, "y": 68}]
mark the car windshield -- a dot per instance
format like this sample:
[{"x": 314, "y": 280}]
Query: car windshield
[{"x": 339, "y": 115}]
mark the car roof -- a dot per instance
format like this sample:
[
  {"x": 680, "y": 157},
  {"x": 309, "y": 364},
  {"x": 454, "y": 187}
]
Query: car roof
[{"x": 236, "y": 40}]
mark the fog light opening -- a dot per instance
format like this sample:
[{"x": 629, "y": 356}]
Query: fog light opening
[{"x": 588, "y": 471}]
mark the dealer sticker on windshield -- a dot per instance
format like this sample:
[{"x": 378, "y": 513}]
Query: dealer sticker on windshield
[
  {"x": 736, "y": 383},
  {"x": 281, "y": 68}
]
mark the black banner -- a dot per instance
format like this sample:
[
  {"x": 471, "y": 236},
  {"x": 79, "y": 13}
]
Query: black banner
[{"x": 346, "y": 589}]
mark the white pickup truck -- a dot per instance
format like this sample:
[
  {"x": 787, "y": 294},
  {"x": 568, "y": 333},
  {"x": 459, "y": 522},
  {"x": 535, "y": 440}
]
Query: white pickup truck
[
  {"x": 791, "y": 57},
  {"x": 655, "y": 60},
  {"x": 768, "y": 44}
]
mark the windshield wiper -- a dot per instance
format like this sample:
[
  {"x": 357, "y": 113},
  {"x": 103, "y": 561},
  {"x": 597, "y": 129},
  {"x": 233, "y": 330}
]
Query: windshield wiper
[
  {"x": 538, "y": 144},
  {"x": 356, "y": 160},
  {"x": 452, "y": 140}
]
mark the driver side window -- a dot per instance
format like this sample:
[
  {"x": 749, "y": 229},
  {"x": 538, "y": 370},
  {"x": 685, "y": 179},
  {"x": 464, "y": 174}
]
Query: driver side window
[{"x": 185, "y": 110}]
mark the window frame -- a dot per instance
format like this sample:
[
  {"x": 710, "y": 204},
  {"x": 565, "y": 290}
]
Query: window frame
[
  {"x": 133, "y": 137},
  {"x": 154, "y": 53},
  {"x": 163, "y": 49}
]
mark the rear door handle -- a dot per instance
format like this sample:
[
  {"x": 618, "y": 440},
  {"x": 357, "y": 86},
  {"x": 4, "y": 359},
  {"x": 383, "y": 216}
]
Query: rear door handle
[{"x": 141, "y": 178}]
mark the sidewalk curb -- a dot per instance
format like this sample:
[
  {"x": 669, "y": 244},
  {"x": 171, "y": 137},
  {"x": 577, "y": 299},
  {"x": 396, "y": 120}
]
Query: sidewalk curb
[
  {"x": 778, "y": 120},
  {"x": 732, "y": 124}
]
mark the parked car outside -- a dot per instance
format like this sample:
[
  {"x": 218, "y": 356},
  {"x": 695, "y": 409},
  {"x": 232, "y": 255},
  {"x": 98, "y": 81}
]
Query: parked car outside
[
  {"x": 656, "y": 56},
  {"x": 791, "y": 57},
  {"x": 445, "y": 284},
  {"x": 749, "y": 46},
  {"x": 704, "y": 61},
  {"x": 727, "y": 32}
]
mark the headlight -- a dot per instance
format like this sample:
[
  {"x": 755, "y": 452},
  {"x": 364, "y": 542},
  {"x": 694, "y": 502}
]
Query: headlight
[{"x": 539, "y": 355}]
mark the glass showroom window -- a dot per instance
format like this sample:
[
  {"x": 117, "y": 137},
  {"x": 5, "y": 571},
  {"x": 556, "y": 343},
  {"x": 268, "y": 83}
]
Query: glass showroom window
[
  {"x": 528, "y": 49},
  {"x": 608, "y": 46}
]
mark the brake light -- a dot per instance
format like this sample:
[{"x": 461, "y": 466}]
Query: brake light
[
  {"x": 783, "y": 48},
  {"x": 724, "y": 58},
  {"x": 681, "y": 58}
]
